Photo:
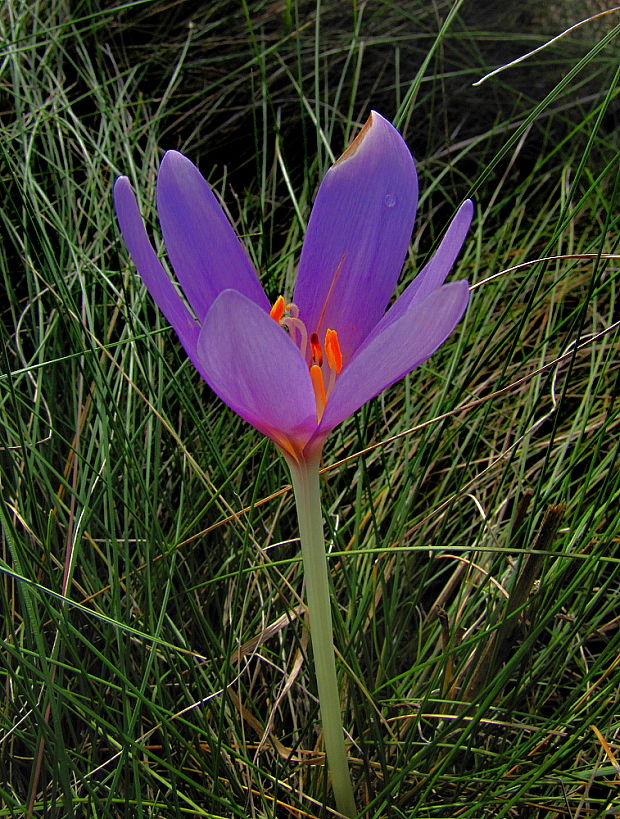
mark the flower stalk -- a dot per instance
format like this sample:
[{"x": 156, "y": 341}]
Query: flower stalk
[{"x": 305, "y": 478}]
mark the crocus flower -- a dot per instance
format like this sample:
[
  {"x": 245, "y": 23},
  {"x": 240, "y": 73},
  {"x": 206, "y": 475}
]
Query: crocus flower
[{"x": 295, "y": 369}]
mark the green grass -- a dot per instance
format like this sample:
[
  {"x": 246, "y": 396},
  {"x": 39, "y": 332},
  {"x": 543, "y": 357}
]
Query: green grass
[{"x": 154, "y": 659}]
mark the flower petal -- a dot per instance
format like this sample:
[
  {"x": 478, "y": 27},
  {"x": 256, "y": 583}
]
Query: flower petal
[
  {"x": 254, "y": 366},
  {"x": 401, "y": 347},
  {"x": 434, "y": 273},
  {"x": 204, "y": 250},
  {"x": 150, "y": 269},
  {"x": 358, "y": 235}
]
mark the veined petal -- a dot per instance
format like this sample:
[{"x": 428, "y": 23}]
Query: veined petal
[
  {"x": 204, "y": 250},
  {"x": 151, "y": 270},
  {"x": 254, "y": 366},
  {"x": 434, "y": 273},
  {"x": 357, "y": 236},
  {"x": 400, "y": 348}
]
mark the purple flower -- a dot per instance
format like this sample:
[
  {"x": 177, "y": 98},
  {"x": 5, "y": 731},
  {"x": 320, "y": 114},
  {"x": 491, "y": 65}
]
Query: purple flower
[{"x": 296, "y": 370}]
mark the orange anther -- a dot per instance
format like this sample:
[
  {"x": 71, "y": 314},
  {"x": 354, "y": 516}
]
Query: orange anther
[
  {"x": 333, "y": 351},
  {"x": 277, "y": 311},
  {"x": 316, "y": 374},
  {"x": 315, "y": 350}
]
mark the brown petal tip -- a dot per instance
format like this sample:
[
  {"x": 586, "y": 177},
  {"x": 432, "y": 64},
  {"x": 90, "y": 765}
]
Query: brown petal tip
[{"x": 353, "y": 148}]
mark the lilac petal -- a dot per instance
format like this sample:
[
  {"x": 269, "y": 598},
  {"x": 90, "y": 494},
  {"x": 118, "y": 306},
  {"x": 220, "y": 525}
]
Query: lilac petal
[
  {"x": 358, "y": 235},
  {"x": 434, "y": 273},
  {"x": 204, "y": 250},
  {"x": 254, "y": 366},
  {"x": 150, "y": 269},
  {"x": 401, "y": 347}
]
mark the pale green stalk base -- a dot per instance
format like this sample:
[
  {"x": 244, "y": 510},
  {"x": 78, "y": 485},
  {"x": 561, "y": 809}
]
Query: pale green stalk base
[{"x": 305, "y": 478}]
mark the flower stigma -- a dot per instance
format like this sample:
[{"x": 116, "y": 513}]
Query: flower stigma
[{"x": 287, "y": 316}]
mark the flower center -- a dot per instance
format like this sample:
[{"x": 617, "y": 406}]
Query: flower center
[{"x": 287, "y": 315}]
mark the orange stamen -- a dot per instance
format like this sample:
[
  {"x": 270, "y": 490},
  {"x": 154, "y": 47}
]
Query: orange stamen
[
  {"x": 316, "y": 353},
  {"x": 316, "y": 374},
  {"x": 277, "y": 311},
  {"x": 333, "y": 351}
]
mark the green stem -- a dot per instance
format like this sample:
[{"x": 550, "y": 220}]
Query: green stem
[{"x": 308, "y": 500}]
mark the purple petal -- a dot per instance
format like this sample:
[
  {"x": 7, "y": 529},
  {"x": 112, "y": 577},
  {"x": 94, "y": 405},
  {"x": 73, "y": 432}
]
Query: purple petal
[
  {"x": 401, "y": 347},
  {"x": 150, "y": 269},
  {"x": 358, "y": 235},
  {"x": 434, "y": 273},
  {"x": 204, "y": 250},
  {"x": 254, "y": 366}
]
